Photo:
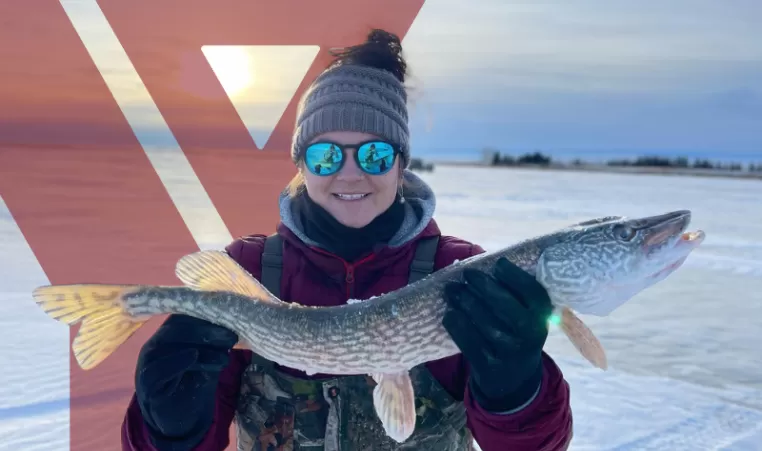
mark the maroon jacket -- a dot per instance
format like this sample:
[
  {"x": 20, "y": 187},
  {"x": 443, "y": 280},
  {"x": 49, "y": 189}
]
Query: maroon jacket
[{"x": 314, "y": 277}]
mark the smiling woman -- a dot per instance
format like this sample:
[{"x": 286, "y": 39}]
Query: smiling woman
[
  {"x": 232, "y": 65},
  {"x": 355, "y": 223}
]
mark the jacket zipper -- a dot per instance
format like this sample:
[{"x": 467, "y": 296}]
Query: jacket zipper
[{"x": 349, "y": 278}]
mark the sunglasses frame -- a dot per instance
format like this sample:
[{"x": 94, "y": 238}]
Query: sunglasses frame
[{"x": 343, "y": 147}]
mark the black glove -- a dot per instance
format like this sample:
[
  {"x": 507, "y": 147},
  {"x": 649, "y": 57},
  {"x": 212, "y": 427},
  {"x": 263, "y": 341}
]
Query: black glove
[
  {"x": 176, "y": 379},
  {"x": 500, "y": 324}
]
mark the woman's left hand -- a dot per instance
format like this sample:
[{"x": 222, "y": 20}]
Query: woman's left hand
[{"x": 500, "y": 324}]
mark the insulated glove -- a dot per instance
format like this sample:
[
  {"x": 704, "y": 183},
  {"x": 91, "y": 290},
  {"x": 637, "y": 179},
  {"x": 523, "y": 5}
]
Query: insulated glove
[
  {"x": 176, "y": 379},
  {"x": 500, "y": 324}
]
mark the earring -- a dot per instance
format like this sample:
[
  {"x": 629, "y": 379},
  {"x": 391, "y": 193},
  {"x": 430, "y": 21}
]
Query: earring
[{"x": 402, "y": 197}]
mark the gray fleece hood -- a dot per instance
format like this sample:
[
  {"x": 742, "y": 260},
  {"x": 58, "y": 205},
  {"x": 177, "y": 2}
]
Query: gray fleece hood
[{"x": 420, "y": 203}]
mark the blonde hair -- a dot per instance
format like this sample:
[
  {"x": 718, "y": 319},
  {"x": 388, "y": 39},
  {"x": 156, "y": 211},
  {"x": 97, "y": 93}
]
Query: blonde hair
[{"x": 296, "y": 185}]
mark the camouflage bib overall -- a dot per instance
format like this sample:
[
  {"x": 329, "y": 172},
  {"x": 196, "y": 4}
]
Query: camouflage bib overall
[{"x": 278, "y": 412}]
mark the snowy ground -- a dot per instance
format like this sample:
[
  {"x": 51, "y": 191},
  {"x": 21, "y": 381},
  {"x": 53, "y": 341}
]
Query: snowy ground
[{"x": 686, "y": 368}]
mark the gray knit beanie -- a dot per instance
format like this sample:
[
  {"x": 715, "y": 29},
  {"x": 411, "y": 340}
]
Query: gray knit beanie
[{"x": 353, "y": 97}]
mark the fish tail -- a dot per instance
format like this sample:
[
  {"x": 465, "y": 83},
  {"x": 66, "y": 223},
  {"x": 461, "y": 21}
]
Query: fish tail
[{"x": 106, "y": 323}]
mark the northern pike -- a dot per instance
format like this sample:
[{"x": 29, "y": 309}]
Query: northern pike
[{"x": 591, "y": 267}]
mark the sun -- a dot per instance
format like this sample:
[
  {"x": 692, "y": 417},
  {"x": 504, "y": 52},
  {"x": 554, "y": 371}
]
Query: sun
[{"x": 232, "y": 65}]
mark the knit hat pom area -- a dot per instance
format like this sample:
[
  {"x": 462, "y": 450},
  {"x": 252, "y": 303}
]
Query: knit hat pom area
[{"x": 362, "y": 90}]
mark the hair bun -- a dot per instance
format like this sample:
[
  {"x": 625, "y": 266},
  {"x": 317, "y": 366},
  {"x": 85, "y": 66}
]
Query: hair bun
[
  {"x": 384, "y": 38},
  {"x": 381, "y": 49}
]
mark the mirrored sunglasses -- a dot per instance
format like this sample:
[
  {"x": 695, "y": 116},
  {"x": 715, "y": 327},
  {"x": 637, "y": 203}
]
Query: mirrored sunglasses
[{"x": 372, "y": 157}]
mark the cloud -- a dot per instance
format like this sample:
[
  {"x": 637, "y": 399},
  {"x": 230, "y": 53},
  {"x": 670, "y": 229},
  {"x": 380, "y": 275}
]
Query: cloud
[
  {"x": 593, "y": 74},
  {"x": 588, "y": 75},
  {"x": 582, "y": 39},
  {"x": 719, "y": 122}
]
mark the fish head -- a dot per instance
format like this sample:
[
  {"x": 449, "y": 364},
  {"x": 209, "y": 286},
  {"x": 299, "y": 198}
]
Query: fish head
[{"x": 596, "y": 266}]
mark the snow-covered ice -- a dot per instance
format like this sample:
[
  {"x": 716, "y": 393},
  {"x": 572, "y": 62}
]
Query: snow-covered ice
[{"x": 686, "y": 367}]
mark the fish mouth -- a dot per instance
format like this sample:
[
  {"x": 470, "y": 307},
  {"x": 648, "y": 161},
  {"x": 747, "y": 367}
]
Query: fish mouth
[
  {"x": 663, "y": 228},
  {"x": 670, "y": 231}
]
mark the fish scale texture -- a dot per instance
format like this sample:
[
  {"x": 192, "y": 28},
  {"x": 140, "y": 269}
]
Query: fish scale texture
[{"x": 313, "y": 278}]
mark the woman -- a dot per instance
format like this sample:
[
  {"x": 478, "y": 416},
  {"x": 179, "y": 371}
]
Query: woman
[{"x": 355, "y": 224}]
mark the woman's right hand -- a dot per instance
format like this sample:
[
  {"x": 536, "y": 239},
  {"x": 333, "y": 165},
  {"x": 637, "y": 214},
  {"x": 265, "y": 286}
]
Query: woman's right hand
[{"x": 177, "y": 375}]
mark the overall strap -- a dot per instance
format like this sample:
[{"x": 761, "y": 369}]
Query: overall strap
[
  {"x": 423, "y": 261},
  {"x": 272, "y": 263}
]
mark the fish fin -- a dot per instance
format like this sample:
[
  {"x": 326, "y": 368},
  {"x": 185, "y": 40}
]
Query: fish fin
[
  {"x": 583, "y": 339},
  {"x": 105, "y": 322},
  {"x": 394, "y": 401},
  {"x": 217, "y": 271}
]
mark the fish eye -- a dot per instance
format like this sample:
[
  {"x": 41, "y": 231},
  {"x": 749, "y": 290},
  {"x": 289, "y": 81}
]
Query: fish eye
[{"x": 624, "y": 233}]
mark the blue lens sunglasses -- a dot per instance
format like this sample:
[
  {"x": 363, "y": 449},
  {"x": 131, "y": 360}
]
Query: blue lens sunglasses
[{"x": 372, "y": 157}]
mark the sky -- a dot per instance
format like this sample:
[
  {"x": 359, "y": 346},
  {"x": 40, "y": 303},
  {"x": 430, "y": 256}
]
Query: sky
[{"x": 679, "y": 77}]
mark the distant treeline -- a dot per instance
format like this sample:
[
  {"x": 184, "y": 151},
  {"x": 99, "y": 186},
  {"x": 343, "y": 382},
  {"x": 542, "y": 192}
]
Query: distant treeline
[
  {"x": 538, "y": 158},
  {"x": 417, "y": 164},
  {"x": 535, "y": 158},
  {"x": 682, "y": 162}
]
